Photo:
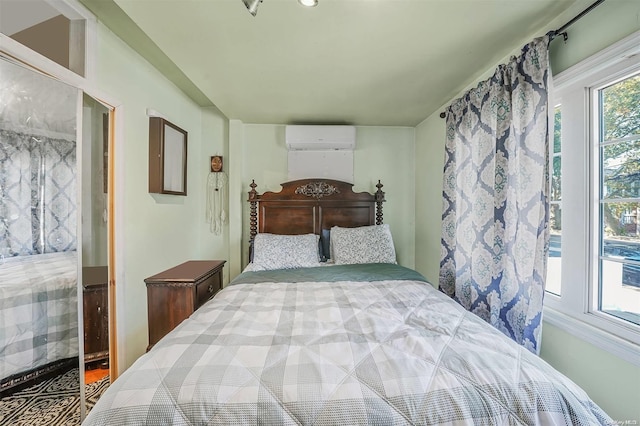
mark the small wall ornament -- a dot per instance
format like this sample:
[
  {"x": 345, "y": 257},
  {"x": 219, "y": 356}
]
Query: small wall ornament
[
  {"x": 216, "y": 163},
  {"x": 216, "y": 214}
]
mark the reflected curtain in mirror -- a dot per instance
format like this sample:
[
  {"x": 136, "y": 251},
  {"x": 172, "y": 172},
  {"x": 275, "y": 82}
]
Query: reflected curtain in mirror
[{"x": 37, "y": 207}]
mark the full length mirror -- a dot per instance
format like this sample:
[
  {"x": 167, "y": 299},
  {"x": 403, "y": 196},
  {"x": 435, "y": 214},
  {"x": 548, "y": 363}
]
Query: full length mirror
[{"x": 39, "y": 338}]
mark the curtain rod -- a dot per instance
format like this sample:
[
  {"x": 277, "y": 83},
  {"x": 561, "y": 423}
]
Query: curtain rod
[{"x": 563, "y": 29}]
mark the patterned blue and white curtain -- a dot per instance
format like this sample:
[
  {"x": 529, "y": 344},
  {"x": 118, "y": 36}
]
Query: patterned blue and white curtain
[
  {"x": 495, "y": 217},
  {"x": 37, "y": 194}
]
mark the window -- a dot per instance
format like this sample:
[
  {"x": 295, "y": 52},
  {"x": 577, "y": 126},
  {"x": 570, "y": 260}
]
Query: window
[
  {"x": 554, "y": 263},
  {"x": 616, "y": 116},
  {"x": 593, "y": 274}
]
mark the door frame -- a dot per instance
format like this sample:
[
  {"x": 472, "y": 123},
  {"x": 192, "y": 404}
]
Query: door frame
[{"x": 87, "y": 84}]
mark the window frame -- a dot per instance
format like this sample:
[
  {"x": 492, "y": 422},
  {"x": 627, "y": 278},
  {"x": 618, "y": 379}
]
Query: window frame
[
  {"x": 597, "y": 179},
  {"x": 575, "y": 310}
]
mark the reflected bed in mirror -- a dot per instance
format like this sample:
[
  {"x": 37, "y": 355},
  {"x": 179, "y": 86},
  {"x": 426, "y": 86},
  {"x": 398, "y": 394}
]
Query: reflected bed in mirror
[{"x": 41, "y": 291}]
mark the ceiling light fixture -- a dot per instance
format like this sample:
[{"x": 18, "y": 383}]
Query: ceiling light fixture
[{"x": 252, "y": 5}]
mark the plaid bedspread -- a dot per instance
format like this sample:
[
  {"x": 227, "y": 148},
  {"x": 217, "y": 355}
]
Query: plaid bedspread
[
  {"x": 38, "y": 311},
  {"x": 340, "y": 353}
]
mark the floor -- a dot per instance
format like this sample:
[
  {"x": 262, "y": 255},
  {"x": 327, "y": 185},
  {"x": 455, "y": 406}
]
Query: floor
[
  {"x": 51, "y": 402},
  {"x": 95, "y": 371},
  {"x": 91, "y": 376}
]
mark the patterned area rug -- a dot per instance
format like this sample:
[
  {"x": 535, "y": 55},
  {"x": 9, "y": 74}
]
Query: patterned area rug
[{"x": 54, "y": 402}]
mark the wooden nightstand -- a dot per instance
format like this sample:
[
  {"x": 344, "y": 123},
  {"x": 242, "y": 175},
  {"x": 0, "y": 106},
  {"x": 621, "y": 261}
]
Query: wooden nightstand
[
  {"x": 96, "y": 313},
  {"x": 173, "y": 295}
]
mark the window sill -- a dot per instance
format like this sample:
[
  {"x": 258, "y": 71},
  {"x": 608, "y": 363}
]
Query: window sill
[{"x": 621, "y": 348}]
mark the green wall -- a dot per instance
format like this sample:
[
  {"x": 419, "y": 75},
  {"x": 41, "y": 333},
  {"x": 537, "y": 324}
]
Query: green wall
[
  {"x": 430, "y": 158},
  {"x": 608, "y": 23},
  {"x": 152, "y": 232},
  {"x": 385, "y": 153},
  {"x": 612, "y": 382}
]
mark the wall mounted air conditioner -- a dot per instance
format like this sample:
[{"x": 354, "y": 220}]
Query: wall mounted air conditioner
[{"x": 320, "y": 138}]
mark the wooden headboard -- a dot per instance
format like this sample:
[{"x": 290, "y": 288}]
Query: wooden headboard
[{"x": 310, "y": 205}]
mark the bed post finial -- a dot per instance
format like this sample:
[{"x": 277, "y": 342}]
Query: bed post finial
[
  {"x": 253, "y": 215},
  {"x": 379, "y": 195},
  {"x": 253, "y": 194}
]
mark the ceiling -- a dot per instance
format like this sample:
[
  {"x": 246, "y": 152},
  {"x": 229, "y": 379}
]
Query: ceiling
[{"x": 361, "y": 62}]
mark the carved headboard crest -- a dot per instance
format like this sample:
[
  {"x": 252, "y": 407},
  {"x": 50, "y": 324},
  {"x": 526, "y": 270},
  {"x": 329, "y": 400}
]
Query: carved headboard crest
[{"x": 317, "y": 189}]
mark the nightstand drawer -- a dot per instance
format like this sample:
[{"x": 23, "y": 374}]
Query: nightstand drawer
[{"x": 207, "y": 289}]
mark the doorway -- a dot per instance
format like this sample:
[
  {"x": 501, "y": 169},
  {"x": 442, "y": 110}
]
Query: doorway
[{"x": 95, "y": 234}]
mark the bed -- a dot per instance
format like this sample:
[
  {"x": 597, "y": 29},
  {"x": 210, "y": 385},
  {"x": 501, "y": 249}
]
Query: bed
[
  {"x": 38, "y": 317},
  {"x": 356, "y": 339}
]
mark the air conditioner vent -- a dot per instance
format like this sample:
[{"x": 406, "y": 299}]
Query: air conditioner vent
[{"x": 320, "y": 138}]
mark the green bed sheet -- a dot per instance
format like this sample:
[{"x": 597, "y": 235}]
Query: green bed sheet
[{"x": 333, "y": 273}]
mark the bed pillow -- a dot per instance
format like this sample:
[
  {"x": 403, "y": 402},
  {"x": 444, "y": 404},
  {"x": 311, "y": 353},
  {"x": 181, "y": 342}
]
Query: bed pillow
[
  {"x": 274, "y": 251},
  {"x": 365, "y": 244}
]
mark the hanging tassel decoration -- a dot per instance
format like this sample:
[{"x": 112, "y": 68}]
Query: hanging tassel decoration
[{"x": 216, "y": 195}]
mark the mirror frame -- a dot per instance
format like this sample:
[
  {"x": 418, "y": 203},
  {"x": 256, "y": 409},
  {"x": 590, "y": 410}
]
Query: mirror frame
[{"x": 167, "y": 157}]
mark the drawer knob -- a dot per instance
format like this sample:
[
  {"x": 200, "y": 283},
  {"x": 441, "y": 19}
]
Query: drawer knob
[{"x": 210, "y": 289}]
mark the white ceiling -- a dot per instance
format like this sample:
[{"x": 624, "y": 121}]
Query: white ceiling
[{"x": 362, "y": 62}]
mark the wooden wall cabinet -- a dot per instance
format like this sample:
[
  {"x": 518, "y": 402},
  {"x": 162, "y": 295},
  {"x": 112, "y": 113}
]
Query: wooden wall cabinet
[
  {"x": 167, "y": 157},
  {"x": 96, "y": 313},
  {"x": 173, "y": 295}
]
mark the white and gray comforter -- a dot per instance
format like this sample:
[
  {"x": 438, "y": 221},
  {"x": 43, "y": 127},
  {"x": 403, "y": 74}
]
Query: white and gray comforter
[
  {"x": 38, "y": 311},
  {"x": 346, "y": 353}
]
